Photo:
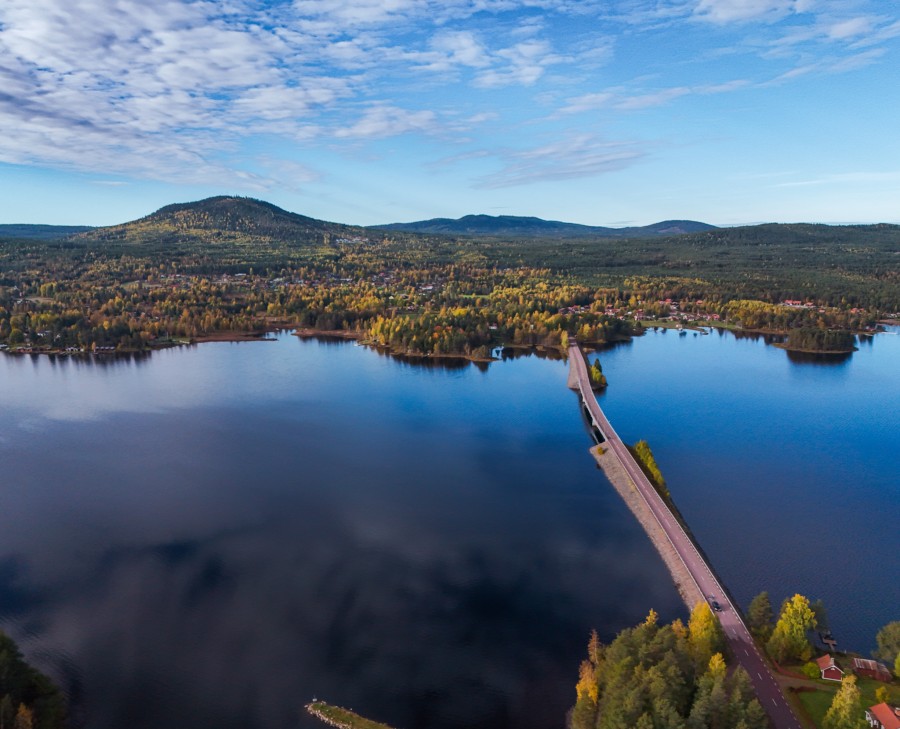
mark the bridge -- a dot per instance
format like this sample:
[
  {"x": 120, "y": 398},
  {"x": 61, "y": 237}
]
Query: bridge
[{"x": 740, "y": 642}]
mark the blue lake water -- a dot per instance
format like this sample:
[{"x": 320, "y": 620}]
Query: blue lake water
[{"x": 214, "y": 535}]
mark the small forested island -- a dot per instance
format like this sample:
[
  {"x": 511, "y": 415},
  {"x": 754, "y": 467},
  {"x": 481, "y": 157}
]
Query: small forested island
[
  {"x": 598, "y": 379},
  {"x": 230, "y": 267},
  {"x": 28, "y": 699},
  {"x": 819, "y": 341}
]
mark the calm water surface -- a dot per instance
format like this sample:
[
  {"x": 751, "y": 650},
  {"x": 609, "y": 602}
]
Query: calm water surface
[{"x": 214, "y": 535}]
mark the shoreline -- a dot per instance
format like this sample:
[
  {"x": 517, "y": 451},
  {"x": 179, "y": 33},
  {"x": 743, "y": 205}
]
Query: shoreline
[{"x": 352, "y": 335}]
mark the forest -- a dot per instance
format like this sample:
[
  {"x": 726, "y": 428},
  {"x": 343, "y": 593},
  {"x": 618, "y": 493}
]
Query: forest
[
  {"x": 671, "y": 676},
  {"x": 28, "y": 699},
  {"x": 229, "y": 265}
]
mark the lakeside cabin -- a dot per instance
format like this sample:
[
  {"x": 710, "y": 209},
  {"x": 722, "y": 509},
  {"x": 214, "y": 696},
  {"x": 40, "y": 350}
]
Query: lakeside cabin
[
  {"x": 871, "y": 669},
  {"x": 882, "y": 716},
  {"x": 828, "y": 668}
]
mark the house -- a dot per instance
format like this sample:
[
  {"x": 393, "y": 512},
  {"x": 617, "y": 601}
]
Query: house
[
  {"x": 871, "y": 669},
  {"x": 830, "y": 672},
  {"x": 882, "y": 716}
]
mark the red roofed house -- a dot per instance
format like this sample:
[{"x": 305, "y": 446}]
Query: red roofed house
[
  {"x": 871, "y": 669},
  {"x": 830, "y": 672},
  {"x": 882, "y": 716}
]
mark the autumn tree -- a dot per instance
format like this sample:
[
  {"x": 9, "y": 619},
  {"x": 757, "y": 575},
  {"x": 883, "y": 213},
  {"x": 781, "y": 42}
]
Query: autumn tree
[
  {"x": 846, "y": 710},
  {"x": 24, "y": 718},
  {"x": 704, "y": 634},
  {"x": 888, "y": 640},
  {"x": 789, "y": 639}
]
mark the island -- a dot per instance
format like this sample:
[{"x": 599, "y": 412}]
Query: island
[{"x": 819, "y": 341}]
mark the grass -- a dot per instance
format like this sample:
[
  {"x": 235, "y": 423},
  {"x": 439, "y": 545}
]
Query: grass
[
  {"x": 343, "y": 718},
  {"x": 817, "y": 702}
]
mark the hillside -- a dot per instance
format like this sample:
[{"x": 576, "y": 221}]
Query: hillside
[
  {"x": 226, "y": 232},
  {"x": 511, "y": 226},
  {"x": 222, "y": 221}
]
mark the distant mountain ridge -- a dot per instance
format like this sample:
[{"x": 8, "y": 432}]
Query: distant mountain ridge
[
  {"x": 242, "y": 221},
  {"x": 41, "y": 232},
  {"x": 503, "y": 226}
]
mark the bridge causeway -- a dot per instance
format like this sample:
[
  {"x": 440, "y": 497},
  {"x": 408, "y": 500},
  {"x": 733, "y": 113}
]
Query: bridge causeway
[{"x": 656, "y": 511}]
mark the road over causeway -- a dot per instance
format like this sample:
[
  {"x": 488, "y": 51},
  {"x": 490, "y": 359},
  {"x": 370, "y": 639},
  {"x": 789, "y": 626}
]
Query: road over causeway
[{"x": 742, "y": 645}]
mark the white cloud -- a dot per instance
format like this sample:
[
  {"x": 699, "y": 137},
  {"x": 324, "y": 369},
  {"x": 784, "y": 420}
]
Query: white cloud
[
  {"x": 855, "y": 62},
  {"x": 350, "y": 13},
  {"x": 524, "y": 63},
  {"x": 729, "y": 11},
  {"x": 581, "y": 155},
  {"x": 170, "y": 89},
  {"x": 657, "y": 98},
  {"x": 460, "y": 48},
  {"x": 851, "y": 28},
  {"x": 388, "y": 121},
  {"x": 618, "y": 99},
  {"x": 587, "y": 102},
  {"x": 844, "y": 178}
]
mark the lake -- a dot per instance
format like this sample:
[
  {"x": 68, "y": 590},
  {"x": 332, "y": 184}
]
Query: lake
[{"x": 214, "y": 535}]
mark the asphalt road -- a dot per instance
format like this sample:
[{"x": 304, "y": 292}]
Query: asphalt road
[{"x": 740, "y": 642}]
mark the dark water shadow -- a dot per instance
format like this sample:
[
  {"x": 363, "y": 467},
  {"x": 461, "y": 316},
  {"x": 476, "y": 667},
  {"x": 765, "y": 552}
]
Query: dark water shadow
[
  {"x": 819, "y": 359},
  {"x": 549, "y": 353},
  {"x": 106, "y": 360}
]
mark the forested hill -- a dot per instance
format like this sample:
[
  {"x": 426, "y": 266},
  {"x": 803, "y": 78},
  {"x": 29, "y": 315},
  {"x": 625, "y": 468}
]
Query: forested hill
[
  {"x": 222, "y": 220},
  {"x": 511, "y": 226}
]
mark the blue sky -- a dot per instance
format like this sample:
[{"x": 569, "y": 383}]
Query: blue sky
[{"x": 603, "y": 112}]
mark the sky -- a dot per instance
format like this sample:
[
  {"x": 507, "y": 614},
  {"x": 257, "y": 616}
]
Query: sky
[{"x": 601, "y": 112}]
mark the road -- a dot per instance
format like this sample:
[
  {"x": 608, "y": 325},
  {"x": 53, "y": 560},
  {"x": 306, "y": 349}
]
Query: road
[{"x": 739, "y": 640}]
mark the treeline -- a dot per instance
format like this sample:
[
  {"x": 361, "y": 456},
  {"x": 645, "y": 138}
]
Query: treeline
[
  {"x": 665, "y": 677},
  {"x": 450, "y": 310},
  {"x": 780, "y": 318},
  {"x": 28, "y": 699}
]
